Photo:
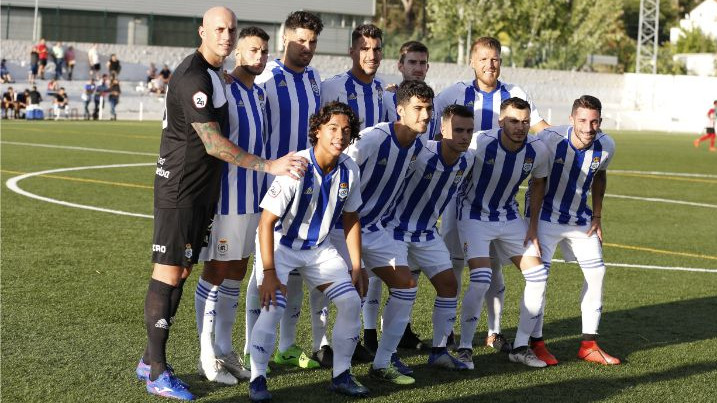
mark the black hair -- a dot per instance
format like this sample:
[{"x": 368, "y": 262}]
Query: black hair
[
  {"x": 411, "y": 46},
  {"x": 253, "y": 31},
  {"x": 587, "y": 102},
  {"x": 305, "y": 20},
  {"x": 413, "y": 88},
  {"x": 324, "y": 114},
  {"x": 367, "y": 30},
  {"x": 515, "y": 102},
  {"x": 457, "y": 110}
]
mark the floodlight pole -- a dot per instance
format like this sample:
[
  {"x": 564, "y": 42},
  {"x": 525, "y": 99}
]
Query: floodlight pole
[
  {"x": 34, "y": 24},
  {"x": 646, "y": 60}
]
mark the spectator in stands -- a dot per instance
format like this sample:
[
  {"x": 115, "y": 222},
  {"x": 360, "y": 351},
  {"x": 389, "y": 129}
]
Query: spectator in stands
[
  {"x": 88, "y": 95},
  {"x": 61, "y": 104},
  {"x": 70, "y": 61},
  {"x": 8, "y": 103},
  {"x": 165, "y": 74},
  {"x": 93, "y": 58},
  {"x": 100, "y": 92},
  {"x": 35, "y": 97},
  {"x": 42, "y": 55},
  {"x": 114, "y": 97},
  {"x": 21, "y": 104},
  {"x": 151, "y": 73},
  {"x": 58, "y": 56},
  {"x": 5, "y": 76},
  {"x": 34, "y": 64},
  {"x": 114, "y": 67},
  {"x": 52, "y": 87}
]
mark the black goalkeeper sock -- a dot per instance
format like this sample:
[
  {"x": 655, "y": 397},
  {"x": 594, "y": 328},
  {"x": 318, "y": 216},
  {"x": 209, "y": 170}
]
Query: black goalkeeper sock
[{"x": 156, "y": 319}]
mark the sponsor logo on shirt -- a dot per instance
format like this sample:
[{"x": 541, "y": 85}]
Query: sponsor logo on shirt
[
  {"x": 200, "y": 100},
  {"x": 560, "y": 161},
  {"x": 383, "y": 162},
  {"x": 309, "y": 191},
  {"x": 159, "y": 248},
  {"x": 352, "y": 97},
  {"x": 282, "y": 83},
  {"x": 491, "y": 161}
]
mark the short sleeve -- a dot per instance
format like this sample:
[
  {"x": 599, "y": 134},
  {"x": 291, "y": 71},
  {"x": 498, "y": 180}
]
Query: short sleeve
[
  {"x": 279, "y": 195},
  {"x": 541, "y": 167},
  {"x": 353, "y": 202},
  {"x": 609, "y": 147},
  {"x": 198, "y": 97}
]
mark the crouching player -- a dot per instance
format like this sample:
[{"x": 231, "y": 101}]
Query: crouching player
[
  {"x": 293, "y": 228},
  {"x": 430, "y": 184},
  {"x": 579, "y": 156}
]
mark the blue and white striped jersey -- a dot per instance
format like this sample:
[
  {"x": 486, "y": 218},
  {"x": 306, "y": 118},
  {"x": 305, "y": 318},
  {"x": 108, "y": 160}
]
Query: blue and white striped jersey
[
  {"x": 489, "y": 194},
  {"x": 429, "y": 186},
  {"x": 309, "y": 207},
  {"x": 486, "y": 105},
  {"x": 571, "y": 175},
  {"x": 383, "y": 164},
  {"x": 241, "y": 188},
  {"x": 366, "y": 100},
  {"x": 390, "y": 115},
  {"x": 292, "y": 99}
]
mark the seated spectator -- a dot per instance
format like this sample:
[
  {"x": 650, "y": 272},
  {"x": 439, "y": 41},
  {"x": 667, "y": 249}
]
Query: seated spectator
[
  {"x": 34, "y": 98},
  {"x": 151, "y": 73},
  {"x": 8, "y": 103},
  {"x": 165, "y": 74},
  {"x": 61, "y": 104},
  {"x": 52, "y": 87},
  {"x": 113, "y": 65},
  {"x": 5, "y": 76},
  {"x": 21, "y": 104}
]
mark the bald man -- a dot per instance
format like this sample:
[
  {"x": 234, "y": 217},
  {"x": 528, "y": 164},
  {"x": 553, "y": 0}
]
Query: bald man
[{"x": 186, "y": 189}]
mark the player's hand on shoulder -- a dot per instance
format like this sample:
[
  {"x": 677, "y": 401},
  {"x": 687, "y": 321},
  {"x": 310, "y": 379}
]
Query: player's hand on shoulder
[
  {"x": 391, "y": 87},
  {"x": 290, "y": 164}
]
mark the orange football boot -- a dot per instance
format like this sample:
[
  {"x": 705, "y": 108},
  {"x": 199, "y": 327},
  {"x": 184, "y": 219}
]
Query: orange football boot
[
  {"x": 543, "y": 353},
  {"x": 590, "y": 351}
]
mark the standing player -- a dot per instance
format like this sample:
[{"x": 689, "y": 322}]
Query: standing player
[
  {"x": 434, "y": 178},
  {"x": 233, "y": 229},
  {"x": 488, "y": 212},
  {"x": 710, "y": 128},
  {"x": 187, "y": 187},
  {"x": 293, "y": 94},
  {"x": 359, "y": 87},
  {"x": 579, "y": 155},
  {"x": 484, "y": 95},
  {"x": 384, "y": 155},
  {"x": 364, "y": 93},
  {"x": 296, "y": 220}
]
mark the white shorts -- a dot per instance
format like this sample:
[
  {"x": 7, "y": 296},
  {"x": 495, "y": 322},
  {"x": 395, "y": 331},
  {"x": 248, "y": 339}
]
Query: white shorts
[
  {"x": 430, "y": 256},
  {"x": 573, "y": 240},
  {"x": 377, "y": 250},
  {"x": 449, "y": 231},
  {"x": 507, "y": 236},
  {"x": 322, "y": 265},
  {"x": 231, "y": 238}
]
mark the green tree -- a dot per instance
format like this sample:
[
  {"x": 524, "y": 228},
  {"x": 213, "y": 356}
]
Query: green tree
[{"x": 695, "y": 41}]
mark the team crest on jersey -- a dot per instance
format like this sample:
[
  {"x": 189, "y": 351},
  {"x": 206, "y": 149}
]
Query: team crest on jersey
[
  {"x": 314, "y": 87},
  {"x": 282, "y": 83},
  {"x": 528, "y": 165},
  {"x": 199, "y": 99},
  {"x": 275, "y": 189},
  {"x": 459, "y": 176},
  {"x": 188, "y": 251},
  {"x": 343, "y": 190},
  {"x": 261, "y": 97},
  {"x": 595, "y": 164},
  {"x": 222, "y": 246}
]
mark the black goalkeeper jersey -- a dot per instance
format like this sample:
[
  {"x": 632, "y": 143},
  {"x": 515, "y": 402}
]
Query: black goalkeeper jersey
[{"x": 186, "y": 176}]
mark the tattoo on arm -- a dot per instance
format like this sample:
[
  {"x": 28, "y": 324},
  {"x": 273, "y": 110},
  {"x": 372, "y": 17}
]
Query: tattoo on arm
[{"x": 220, "y": 147}]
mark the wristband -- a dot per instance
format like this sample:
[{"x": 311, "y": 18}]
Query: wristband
[
  {"x": 266, "y": 270},
  {"x": 597, "y": 216}
]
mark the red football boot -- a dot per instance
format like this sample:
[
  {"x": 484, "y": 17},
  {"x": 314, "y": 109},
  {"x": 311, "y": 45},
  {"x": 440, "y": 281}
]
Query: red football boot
[
  {"x": 543, "y": 353},
  {"x": 590, "y": 351}
]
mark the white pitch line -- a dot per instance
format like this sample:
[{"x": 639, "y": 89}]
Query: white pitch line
[
  {"x": 644, "y": 266},
  {"x": 12, "y": 184},
  {"x": 658, "y": 173},
  {"x": 659, "y": 200},
  {"x": 98, "y": 150}
]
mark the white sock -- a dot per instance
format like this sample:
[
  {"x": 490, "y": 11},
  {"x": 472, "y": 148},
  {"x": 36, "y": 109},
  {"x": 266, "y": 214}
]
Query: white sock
[
  {"x": 348, "y": 324},
  {"x": 373, "y": 301},
  {"x": 472, "y": 304},
  {"x": 494, "y": 298},
  {"x": 252, "y": 311},
  {"x": 263, "y": 336},
  {"x": 538, "y": 329},
  {"x": 444, "y": 317},
  {"x": 395, "y": 317},
  {"x": 591, "y": 296},
  {"x": 206, "y": 335},
  {"x": 200, "y": 299},
  {"x": 227, "y": 304},
  {"x": 287, "y": 326},
  {"x": 530, "y": 307},
  {"x": 319, "y": 318}
]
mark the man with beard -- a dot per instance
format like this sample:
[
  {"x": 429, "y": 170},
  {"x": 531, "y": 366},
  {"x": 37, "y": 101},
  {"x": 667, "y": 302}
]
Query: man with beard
[
  {"x": 187, "y": 182},
  {"x": 292, "y": 89}
]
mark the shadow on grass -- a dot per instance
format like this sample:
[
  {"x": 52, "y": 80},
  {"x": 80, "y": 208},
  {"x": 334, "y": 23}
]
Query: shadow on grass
[{"x": 585, "y": 389}]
